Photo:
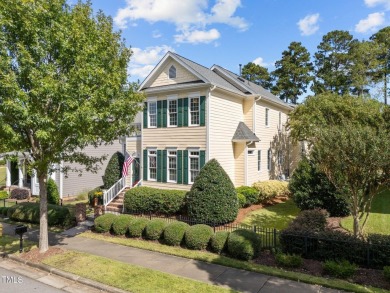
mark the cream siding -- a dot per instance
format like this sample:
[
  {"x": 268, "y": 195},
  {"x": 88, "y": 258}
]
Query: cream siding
[
  {"x": 180, "y": 137},
  {"x": 225, "y": 114},
  {"x": 182, "y": 76},
  {"x": 166, "y": 185},
  {"x": 247, "y": 109},
  {"x": 239, "y": 160}
]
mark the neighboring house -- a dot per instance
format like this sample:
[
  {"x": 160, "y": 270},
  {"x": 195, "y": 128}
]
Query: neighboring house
[{"x": 193, "y": 114}]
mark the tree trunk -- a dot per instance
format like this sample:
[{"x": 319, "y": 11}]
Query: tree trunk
[
  {"x": 356, "y": 229},
  {"x": 43, "y": 230}
]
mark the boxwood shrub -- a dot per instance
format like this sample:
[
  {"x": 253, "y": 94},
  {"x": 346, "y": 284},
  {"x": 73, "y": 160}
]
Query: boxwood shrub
[
  {"x": 174, "y": 233},
  {"x": 268, "y": 190},
  {"x": 250, "y": 193},
  {"x": 121, "y": 224},
  {"x": 154, "y": 229},
  {"x": 153, "y": 200},
  {"x": 198, "y": 236},
  {"x": 104, "y": 222},
  {"x": 244, "y": 244},
  {"x": 342, "y": 269},
  {"x": 137, "y": 227},
  {"x": 29, "y": 212},
  {"x": 218, "y": 242}
]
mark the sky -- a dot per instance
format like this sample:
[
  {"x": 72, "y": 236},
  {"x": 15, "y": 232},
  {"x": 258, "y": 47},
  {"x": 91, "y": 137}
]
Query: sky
[{"x": 233, "y": 32}]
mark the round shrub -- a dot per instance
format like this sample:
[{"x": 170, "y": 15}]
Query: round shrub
[
  {"x": 53, "y": 196},
  {"x": 241, "y": 200},
  {"x": 154, "y": 229},
  {"x": 121, "y": 224},
  {"x": 218, "y": 242},
  {"x": 104, "y": 222},
  {"x": 137, "y": 227},
  {"x": 113, "y": 170},
  {"x": 342, "y": 269},
  {"x": 3, "y": 194},
  {"x": 244, "y": 244},
  {"x": 250, "y": 193},
  {"x": 212, "y": 198},
  {"x": 311, "y": 189},
  {"x": 20, "y": 193},
  {"x": 174, "y": 233},
  {"x": 198, "y": 236}
]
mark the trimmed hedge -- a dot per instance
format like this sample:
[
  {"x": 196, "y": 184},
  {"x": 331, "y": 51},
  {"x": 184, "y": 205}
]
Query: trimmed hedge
[
  {"x": 154, "y": 229},
  {"x": 113, "y": 170},
  {"x": 152, "y": 200},
  {"x": 174, "y": 233},
  {"x": 121, "y": 224},
  {"x": 244, "y": 244},
  {"x": 212, "y": 198},
  {"x": 268, "y": 190},
  {"x": 20, "y": 193},
  {"x": 218, "y": 242},
  {"x": 104, "y": 223},
  {"x": 250, "y": 193},
  {"x": 137, "y": 227},
  {"x": 198, "y": 236},
  {"x": 53, "y": 196},
  {"x": 3, "y": 211},
  {"x": 241, "y": 200},
  {"x": 29, "y": 212}
]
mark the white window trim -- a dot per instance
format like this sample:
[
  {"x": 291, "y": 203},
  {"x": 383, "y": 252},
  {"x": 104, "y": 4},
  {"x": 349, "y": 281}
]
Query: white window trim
[
  {"x": 269, "y": 159},
  {"x": 152, "y": 149},
  {"x": 267, "y": 117},
  {"x": 172, "y": 98},
  {"x": 171, "y": 150},
  {"x": 259, "y": 160},
  {"x": 189, "y": 162},
  {"x": 189, "y": 110},
  {"x": 251, "y": 152},
  {"x": 150, "y": 101}
]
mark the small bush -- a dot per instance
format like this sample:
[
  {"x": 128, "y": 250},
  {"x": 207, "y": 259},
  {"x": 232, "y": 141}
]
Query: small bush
[
  {"x": 241, "y": 200},
  {"x": 386, "y": 272},
  {"x": 121, "y": 224},
  {"x": 313, "y": 220},
  {"x": 137, "y": 227},
  {"x": 154, "y": 229},
  {"x": 289, "y": 260},
  {"x": 198, "y": 236},
  {"x": 3, "y": 194},
  {"x": 104, "y": 222},
  {"x": 20, "y": 193},
  {"x": 244, "y": 244},
  {"x": 91, "y": 196},
  {"x": 113, "y": 170},
  {"x": 342, "y": 269},
  {"x": 380, "y": 250},
  {"x": 82, "y": 196},
  {"x": 268, "y": 190},
  {"x": 174, "y": 233},
  {"x": 53, "y": 197},
  {"x": 3, "y": 211},
  {"x": 250, "y": 193},
  {"x": 218, "y": 242}
]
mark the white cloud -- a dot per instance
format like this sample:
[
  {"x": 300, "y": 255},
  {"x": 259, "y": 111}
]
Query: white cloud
[
  {"x": 370, "y": 23},
  {"x": 373, "y": 3},
  {"x": 260, "y": 61},
  {"x": 191, "y": 17},
  {"x": 308, "y": 25},
  {"x": 198, "y": 36},
  {"x": 156, "y": 34},
  {"x": 140, "y": 71}
]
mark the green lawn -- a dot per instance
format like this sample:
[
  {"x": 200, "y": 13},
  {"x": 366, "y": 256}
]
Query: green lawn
[
  {"x": 379, "y": 219},
  {"x": 2, "y": 175},
  {"x": 10, "y": 244},
  {"x": 276, "y": 216}
]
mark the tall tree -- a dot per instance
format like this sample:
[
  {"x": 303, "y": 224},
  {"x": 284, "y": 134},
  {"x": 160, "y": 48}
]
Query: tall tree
[
  {"x": 382, "y": 38},
  {"x": 63, "y": 86},
  {"x": 292, "y": 73},
  {"x": 332, "y": 63},
  {"x": 257, "y": 74}
]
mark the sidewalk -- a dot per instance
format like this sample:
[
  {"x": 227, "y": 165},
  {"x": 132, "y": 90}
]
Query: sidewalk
[{"x": 240, "y": 280}]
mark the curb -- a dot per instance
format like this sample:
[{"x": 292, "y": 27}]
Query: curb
[{"x": 66, "y": 275}]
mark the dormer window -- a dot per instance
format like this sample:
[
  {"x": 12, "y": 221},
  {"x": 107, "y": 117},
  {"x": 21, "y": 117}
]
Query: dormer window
[{"x": 172, "y": 72}]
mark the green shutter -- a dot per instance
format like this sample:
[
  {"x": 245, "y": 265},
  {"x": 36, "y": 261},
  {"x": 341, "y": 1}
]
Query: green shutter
[
  {"x": 159, "y": 114},
  {"x": 145, "y": 115},
  {"x": 185, "y": 169},
  {"x": 202, "y": 158},
  {"x": 185, "y": 112},
  {"x": 145, "y": 165},
  {"x": 164, "y": 164},
  {"x": 159, "y": 165},
  {"x": 164, "y": 110},
  {"x": 202, "y": 111},
  {"x": 179, "y": 167},
  {"x": 179, "y": 112}
]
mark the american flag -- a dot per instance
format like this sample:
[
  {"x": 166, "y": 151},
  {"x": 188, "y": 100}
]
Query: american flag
[{"x": 126, "y": 164}]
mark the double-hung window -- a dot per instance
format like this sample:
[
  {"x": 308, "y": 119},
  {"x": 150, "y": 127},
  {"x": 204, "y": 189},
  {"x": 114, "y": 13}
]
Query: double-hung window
[
  {"x": 258, "y": 160},
  {"x": 172, "y": 112},
  {"x": 152, "y": 107},
  {"x": 152, "y": 165},
  {"x": 194, "y": 111},
  {"x": 194, "y": 165},
  {"x": 172, "y": 166}
]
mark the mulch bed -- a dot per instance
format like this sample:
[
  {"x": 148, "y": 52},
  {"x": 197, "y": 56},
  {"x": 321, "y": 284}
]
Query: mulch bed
[{"x": 34, "y": 256}]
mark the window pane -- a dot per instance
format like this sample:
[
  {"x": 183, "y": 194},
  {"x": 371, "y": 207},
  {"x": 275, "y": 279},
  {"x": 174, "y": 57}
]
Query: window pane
[
  {"x": 153, "y": 114},
  {"x": 194, "y": 109},
  {"x": 172, "y": 108},
  {"x": 172, "y": 72}
]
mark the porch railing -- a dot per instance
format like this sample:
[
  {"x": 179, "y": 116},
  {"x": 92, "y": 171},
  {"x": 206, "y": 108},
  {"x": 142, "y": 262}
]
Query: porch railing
[{"x": 111, "y": 193}]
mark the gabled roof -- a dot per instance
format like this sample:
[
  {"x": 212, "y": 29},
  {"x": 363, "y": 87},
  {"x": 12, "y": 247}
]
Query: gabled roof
[{"x": 243, "y": 133}]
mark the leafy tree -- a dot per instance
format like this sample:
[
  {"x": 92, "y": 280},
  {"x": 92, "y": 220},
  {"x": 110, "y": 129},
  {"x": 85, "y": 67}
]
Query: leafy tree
[
  {"x": 257, "y": 74},
  {"x": 212, "y": 198},
  {"x": 63, "y": 86},
  {"x": 332, "y": 63},
  {"x": 113, "y": 170},
  {"x": 292, "y": 73}
]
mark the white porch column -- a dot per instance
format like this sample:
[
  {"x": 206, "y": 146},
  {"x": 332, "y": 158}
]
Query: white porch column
[
  {"x": 8, "y": 173},
  {"x": 20, "y": 170}
]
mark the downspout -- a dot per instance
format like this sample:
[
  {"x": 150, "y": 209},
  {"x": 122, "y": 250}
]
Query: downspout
[
  {"x": 254, "y": 113},
  {"x": 246, "y": 163}
]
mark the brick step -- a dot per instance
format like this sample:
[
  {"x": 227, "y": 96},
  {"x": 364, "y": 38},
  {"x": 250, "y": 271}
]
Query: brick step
[
  {"x": 115, "y": 204},
  {"x": 113, "y": 209}
]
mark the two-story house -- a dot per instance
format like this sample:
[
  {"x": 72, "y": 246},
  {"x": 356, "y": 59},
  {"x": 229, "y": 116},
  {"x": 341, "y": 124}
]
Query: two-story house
[{"x": 193, "y": 114}]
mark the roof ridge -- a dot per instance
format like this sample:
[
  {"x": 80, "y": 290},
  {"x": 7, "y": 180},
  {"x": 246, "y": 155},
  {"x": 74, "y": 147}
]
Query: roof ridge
[{"x": 189, "y": 60}]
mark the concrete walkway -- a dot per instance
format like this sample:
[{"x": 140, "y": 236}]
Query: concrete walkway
[{"x": 240, "y": 280}]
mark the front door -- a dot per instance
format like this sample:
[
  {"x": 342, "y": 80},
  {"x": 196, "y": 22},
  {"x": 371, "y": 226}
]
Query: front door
[{"x": 136, "y": 171}]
